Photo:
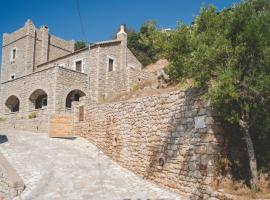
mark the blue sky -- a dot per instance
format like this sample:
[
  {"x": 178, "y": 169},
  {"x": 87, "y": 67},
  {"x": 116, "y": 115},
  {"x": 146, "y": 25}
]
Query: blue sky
[{"x": 101, "y": 18}]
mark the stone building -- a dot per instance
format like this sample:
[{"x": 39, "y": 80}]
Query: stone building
[{"x": 43, "y": 73}]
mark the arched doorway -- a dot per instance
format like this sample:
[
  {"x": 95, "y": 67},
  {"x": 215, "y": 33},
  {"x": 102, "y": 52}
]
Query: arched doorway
[
  {"x": 74, "y": 95},
  {"x": 38, "y": 99},
  {"x": 12, "y": 104}
]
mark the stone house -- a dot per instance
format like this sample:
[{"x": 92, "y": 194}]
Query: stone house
[{"x": 43, "y": 73}]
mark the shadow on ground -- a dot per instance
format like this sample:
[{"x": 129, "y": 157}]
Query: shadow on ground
[{"x": 3, "y": 139}]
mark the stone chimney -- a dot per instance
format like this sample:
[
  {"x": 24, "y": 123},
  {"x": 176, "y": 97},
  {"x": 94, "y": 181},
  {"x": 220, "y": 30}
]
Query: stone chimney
[
  {"x": 122, "y": 35},
  {"x": 44, "y": 43}
]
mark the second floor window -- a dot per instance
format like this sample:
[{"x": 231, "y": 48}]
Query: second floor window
[
  {"x": 110, "y": 64},
  {"x": 13, "y": 54},
  {"x": 78, "y": 66}
]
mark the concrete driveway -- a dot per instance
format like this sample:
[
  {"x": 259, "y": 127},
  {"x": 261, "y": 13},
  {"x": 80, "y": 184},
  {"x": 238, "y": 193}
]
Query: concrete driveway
[{"x": 73, "y": 169}]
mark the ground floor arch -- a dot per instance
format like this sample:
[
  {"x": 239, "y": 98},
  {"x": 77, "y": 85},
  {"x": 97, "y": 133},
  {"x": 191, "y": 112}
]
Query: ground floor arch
[
  {"x": 12, "y": 104},
  {"x": 73, "y": 95},
  {"x": 38, "y": 99}
]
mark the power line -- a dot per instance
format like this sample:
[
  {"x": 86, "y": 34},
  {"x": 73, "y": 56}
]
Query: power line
[{"x": 81, "y": 20}]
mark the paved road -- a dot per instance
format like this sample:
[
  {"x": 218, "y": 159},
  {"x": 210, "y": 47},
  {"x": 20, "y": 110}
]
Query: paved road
[{"x": 73, "y": 169}]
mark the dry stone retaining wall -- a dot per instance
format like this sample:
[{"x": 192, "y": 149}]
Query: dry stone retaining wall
[
  {"x": 23, "y": 121},
  {"x": 11, "y": 185},
  {"x": 170, "y": 139}
]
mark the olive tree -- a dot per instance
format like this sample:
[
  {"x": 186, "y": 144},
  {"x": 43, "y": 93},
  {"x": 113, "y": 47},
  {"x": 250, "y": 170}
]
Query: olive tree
[{"x": 228, "y": 54}]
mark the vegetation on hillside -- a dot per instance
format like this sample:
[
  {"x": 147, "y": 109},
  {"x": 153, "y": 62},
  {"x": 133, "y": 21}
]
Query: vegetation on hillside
[
  {"x": 148, "y": 44},
  {"x": 228, "y": 54},
  {"x": 80, "y": 45}
]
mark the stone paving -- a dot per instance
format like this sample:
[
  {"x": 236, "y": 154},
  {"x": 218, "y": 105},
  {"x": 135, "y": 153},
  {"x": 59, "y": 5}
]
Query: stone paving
[{"x": 54, "y": 168}]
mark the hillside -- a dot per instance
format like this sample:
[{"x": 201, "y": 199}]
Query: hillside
[{"x": 145, "y": 87}]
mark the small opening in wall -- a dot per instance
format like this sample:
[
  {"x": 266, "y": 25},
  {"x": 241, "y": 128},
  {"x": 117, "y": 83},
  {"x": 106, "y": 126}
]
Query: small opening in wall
[
  {"x": 12, "y": 77},
  {"x": 161, "y": 162},
  {"x": 111, "y": 61},
  {"x": 13, "y": 54},
  {"x": 78, "y": 65}
]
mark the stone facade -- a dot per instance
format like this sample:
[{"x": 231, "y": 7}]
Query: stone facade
[
  {"x": 43, "y": 72},
  {"x": 11, "y": 185},
  {"x": 33, "y": 46},
  {"x": 170, "y": 139}
]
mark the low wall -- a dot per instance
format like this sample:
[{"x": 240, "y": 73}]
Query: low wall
[
  {"x": 11, "y": 185},
  {"x": 170, "y": 139},
  {"x": 23, "y": 121}
]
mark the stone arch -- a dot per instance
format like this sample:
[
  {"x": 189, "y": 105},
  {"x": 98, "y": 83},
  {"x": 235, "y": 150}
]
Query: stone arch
[
  {"x": 12, "y": 104},
  {"x": 38, "y": 99},
  {"x": 73, "y": 95}
]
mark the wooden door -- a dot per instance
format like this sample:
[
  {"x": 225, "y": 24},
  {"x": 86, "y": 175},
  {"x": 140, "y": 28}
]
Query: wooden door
[{"x": 61, "y": 126}]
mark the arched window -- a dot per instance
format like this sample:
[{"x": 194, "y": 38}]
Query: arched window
[
  {"x": 38, "y": 99},
  {"x": 12, "y": 104},
  {"x": 74, "y": 95}
]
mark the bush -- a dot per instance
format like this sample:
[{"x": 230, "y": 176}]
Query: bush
[
  {"x": 2, "y": 119},
  {"x": 32, "y": 115},
  {"x": 80, "y": 45}
]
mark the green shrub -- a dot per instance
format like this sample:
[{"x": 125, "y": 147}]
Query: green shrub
[
  {"x": 32, "y": 115},
  {"x": 2, "y": 119}
]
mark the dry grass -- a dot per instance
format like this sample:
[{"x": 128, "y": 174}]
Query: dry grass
[
  {"x": 143, "y": 88},
  {"x": 2, "y": 120},
  {"x": 188, "y": 83},
  {"x": 242, "y": 191},
  {"x": 157, "y": 66}
]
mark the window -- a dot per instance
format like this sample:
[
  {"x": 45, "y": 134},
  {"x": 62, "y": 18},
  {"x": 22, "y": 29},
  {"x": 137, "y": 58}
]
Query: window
[
  {"x": 12, "y": 77},
  {"x": 41, "y": 101},
  {"x": 13, "y": 55},
  {"x": 78, "y": 66},
  {"x": 111, "y": 61},
  {"x": 44, "y": 101},
  {"x": 77, "y": 97}
]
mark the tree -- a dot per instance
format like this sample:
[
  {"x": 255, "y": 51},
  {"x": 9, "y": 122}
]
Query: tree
[
  {"x": 148, "y": 44},
  {"x": 228, "y": 54},
  {"x": 80, "y": 45}
]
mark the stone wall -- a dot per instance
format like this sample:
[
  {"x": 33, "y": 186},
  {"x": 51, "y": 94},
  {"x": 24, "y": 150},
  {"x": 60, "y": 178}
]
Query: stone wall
[
  {"x": 58, "y": 47},
  {"x": 67, "y": 81},
  {"x": 11, "y": 185},
  {"x": 37, "y": 50},
  {"x": 170, "y": 139},
  {"x": 24, "y": 86},
  {"x": 103, "y": 83},
  {"x": 55, "y": 82},
  {"x": 68, "y": 61},
  {"x": 33, "y": 47},
  {"x": 19, "y": 40},
  {"x": 23, "y": 121}
]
